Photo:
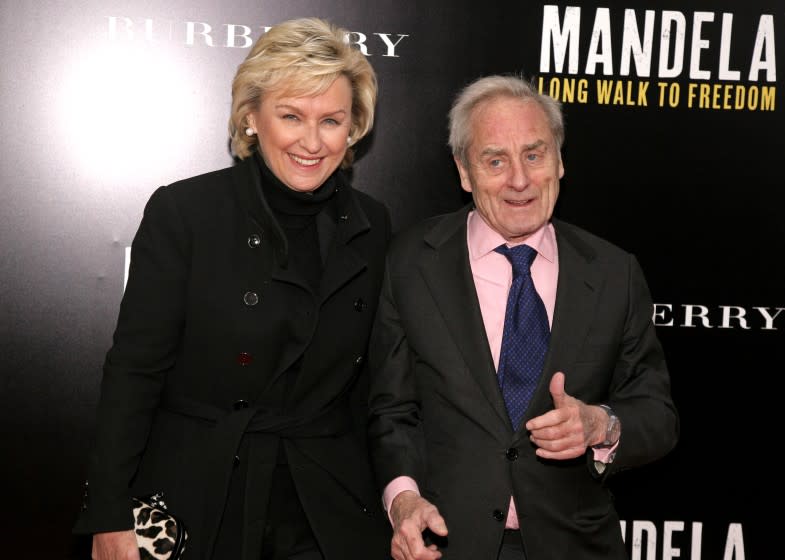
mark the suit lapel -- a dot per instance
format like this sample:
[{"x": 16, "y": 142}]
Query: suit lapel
[
  {"x": 577, "y": 293},
  {"x": 447, "y": 273}
]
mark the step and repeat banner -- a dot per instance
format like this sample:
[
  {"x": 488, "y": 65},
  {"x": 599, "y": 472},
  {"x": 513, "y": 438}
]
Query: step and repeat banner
[{"x": 674, "y": 151}]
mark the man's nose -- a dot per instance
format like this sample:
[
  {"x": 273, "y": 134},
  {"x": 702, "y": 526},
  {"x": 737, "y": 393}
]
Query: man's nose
[{"x": 519, "y": 176}]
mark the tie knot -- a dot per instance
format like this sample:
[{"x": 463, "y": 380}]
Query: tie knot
[{"x": 520, "y": 256}]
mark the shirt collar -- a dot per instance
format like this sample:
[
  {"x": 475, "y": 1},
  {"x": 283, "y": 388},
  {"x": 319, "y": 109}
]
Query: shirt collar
[{"x": 483, "y": 239}]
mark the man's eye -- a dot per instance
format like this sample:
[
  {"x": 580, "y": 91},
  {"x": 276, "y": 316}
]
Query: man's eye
[{"x": 495, "y": 163}]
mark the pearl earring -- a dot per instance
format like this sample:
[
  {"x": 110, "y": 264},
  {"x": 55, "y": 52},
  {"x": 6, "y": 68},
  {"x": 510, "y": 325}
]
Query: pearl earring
[
  {"x": 249, "y": 131},
  {"x": 348, "y": 139}
]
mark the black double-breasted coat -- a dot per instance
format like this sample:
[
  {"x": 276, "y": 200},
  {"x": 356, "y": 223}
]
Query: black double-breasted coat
[{"x": 192, "y": 399}]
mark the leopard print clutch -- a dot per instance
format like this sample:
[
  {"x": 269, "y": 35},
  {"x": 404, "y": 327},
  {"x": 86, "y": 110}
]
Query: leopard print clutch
[{"x": 161, "y": 536}]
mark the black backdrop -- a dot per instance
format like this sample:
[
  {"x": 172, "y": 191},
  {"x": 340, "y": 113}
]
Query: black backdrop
[{"x": 103, "y": 101}]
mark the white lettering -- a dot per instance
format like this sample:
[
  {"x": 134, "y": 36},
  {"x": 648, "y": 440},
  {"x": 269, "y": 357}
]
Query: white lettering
[
  {"x": 668, "y": 550},
  {"x": 360, "y": 42},
  {"x": 633, "y": 47},
  {"x": 390, "y": 45},
  {"x": 659, "y": 313},
  {"x": 725, "y": 72},
  {"x": 764, "y": 42},
  {"x": 727, "y": 316},
  {"x": 561, "y": 38},
  {"x": 697, "y": 534},
  {"x": 768, "y": 317},
  {"x": 127, "y": 24},
  {"x": 690, "y": 314},
  {"x": 734, "y": 544},
  {"x": 644, "y": 540},
  {"x": 600, "y": 35},
  {"x": 639, "y": 529},
  {"x": 699, "y": 45},
  {"x": 670, "y": 36},
  {"x": 237, "y": 36},
  {"x": 232, "y": 35},
  {"x": 190, "y": 32}
]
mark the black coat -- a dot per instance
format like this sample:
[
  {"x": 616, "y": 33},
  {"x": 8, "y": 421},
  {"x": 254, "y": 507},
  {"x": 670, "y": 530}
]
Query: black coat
[{"x": 192, "y": 400}]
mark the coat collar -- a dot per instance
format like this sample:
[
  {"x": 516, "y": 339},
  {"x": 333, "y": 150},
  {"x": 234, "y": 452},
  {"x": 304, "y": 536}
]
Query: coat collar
[{"x": 338, "y": 223}]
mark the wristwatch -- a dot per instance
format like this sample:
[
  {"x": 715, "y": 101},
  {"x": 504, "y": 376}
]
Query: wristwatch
[{"x": 613, "y": 432}]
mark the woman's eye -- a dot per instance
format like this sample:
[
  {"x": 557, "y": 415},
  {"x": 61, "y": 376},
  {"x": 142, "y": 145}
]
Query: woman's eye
[
  {"x": 331, "y": 121},
  {"x": 290, "y": 117}
]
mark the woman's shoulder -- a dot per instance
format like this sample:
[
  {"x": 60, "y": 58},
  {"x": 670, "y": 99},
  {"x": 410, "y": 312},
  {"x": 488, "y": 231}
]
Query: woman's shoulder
[
  {"x": 202, "y": 183},
  {"x": 195, "y": 199}
]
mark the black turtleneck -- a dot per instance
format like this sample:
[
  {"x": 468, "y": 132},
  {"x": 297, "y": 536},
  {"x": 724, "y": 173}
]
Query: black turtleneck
[{"x": 296, "y": 212}]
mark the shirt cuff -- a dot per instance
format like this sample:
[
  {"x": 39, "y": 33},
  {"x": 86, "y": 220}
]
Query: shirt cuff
[
  {"x": 603, "y": 456},
  {"x": 395, "y": 487}
]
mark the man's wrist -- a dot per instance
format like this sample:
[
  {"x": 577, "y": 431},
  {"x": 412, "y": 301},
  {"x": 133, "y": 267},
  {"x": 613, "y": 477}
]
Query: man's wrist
[{"x": 613, "y": 428}]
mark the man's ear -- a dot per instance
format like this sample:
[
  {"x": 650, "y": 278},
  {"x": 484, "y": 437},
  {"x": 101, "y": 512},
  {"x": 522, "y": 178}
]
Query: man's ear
[{"x": 466, "y": 183}]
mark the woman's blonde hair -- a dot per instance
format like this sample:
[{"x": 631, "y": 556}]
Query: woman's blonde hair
[{"x": 301, "y": 57}]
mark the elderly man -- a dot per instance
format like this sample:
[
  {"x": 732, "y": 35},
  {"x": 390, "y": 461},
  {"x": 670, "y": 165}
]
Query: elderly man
[{"x": 515, "y": 365}]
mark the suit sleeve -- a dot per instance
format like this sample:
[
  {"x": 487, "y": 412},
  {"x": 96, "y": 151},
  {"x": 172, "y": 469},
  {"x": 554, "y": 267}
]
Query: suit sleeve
[
  {"x": 640, "y": 389},
  {"x": 395, "y": 431},
  {"x": 144, "y": 348}
]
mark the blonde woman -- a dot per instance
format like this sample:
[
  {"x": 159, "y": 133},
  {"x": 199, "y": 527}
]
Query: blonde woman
[{"x": 235, "y": 384}]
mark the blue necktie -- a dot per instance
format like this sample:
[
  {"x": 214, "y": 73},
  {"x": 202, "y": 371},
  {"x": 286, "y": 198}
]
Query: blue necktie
[{"x": 526, "y": 335}]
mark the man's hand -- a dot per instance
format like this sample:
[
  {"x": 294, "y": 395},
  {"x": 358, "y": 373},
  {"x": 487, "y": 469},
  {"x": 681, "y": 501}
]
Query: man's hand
[
  {"x": 412, "y": 514},
  {"x": 566, "y": 431},
  {"x": 115, "y": 545}
]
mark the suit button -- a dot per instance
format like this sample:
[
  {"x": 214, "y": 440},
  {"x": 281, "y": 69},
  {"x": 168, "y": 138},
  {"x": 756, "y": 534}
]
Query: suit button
[
  {"x": 251, "y": 298},
  {"x": 358, "y": 361},
  {"x": 240, "y": 405},
  {"x": 343, "y": 217},
  {"x": 360, "y": 305},
  {"x": 498, "y": 515},
  {"x": 512, "y": 454},
  {"x": 254, "y": 240},
  {"x": 244, "y": 358},
  {"x": 236, "y": 461}
]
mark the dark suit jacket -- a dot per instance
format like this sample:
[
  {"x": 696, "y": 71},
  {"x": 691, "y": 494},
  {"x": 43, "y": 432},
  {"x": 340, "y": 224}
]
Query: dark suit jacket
[
  {"x": 192, "y": 400},
  {"x": 437, "y": 413}
]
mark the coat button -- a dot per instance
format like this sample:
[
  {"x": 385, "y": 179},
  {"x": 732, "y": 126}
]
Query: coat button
[
  {"x": 251, "y": 298},
  {"x": 236, "y": 461},
  {"x": 360, "y": 305},
  {"x": 240, "y": 405},
  {"x": 512, "y": 454},
  {"x": 498, "y": 515},
  {"x": 254, "y": 240},
  {"x": 344, "y": 217},
  {"x": 358, "y": 361},
  {"x": 244, "y": 358}
]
